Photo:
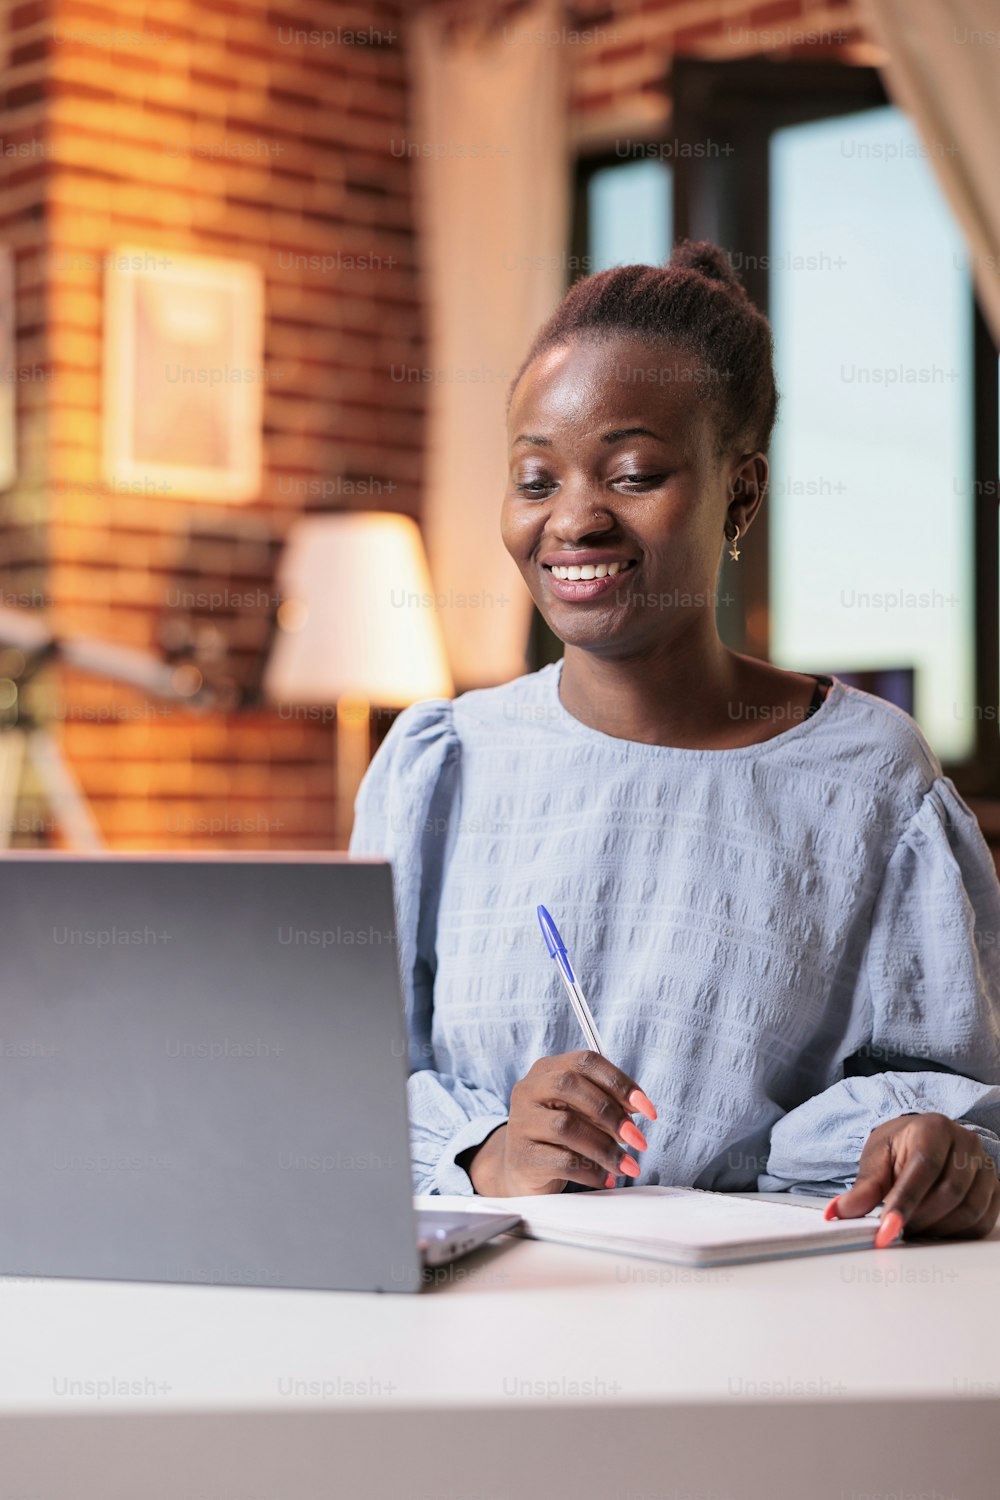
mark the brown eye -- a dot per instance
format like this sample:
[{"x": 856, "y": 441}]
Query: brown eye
[{"x": 637, "y": 480}]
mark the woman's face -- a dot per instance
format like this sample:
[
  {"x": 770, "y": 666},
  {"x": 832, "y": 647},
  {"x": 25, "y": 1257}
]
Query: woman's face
[{"x": 613, "y": 467}]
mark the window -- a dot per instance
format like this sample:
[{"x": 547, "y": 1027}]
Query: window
[
  {"x": 877, "y": 552},
  {"x": 628, "y": 214},
  {"x": 884, "y": 463},
  {"x": 871, "y": 501}
]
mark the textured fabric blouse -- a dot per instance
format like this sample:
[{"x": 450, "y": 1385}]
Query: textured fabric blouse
[{"x": 785, "y": 944}]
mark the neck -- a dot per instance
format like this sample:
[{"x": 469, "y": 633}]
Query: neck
[{"x": 681, "y": 692}]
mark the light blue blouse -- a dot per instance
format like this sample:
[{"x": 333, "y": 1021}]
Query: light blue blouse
[{"x": 743, "y": 922}]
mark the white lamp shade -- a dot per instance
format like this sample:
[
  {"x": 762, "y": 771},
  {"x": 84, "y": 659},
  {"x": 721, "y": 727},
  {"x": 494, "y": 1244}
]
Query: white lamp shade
[{"x": 357, "y": 617}]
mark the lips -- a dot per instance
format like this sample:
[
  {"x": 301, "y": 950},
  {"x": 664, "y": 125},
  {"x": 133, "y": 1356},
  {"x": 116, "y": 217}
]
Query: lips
[{"x": 582, "y": 590}]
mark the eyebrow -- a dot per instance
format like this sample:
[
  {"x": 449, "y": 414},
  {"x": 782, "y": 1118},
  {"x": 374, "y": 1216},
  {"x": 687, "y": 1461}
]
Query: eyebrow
[{"x": 608, "y": 437}]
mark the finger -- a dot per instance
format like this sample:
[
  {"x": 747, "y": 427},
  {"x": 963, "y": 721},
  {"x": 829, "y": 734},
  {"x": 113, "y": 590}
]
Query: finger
[
  {"x": 870, "y": 1186},
  {"x": 623, "y": 1089},
  {"x": 976, "y": 1215},
  {"x": 569, "y": 1132},
  {"x": 541, "y": 1163},
  {"x": 949, "y": 1193},
  {"x": 570, "y": 1087},
  {"x": 988, "y": 1220},
  {"x": 921, "y": 1153}
]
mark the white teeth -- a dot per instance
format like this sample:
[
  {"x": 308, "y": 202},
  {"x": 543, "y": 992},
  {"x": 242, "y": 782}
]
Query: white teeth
[{"x": 587, "y": 572}]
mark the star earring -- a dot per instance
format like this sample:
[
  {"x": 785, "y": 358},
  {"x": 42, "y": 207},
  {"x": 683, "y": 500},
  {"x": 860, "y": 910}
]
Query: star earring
[{"x": 734, "y": 551}]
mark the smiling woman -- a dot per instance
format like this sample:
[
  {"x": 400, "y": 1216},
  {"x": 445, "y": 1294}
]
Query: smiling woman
[
  {"x": 639, "y": 424},
  {"x": 786, "y": 915}
]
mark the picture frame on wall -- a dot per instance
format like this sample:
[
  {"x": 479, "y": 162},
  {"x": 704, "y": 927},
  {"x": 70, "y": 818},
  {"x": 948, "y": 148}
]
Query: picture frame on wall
[
  {"x": 184, "y": 374},
  {"x": 8, "y": 371}
]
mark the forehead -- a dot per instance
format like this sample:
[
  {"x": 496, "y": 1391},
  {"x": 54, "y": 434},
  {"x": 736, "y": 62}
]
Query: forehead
[{"x": 622, "y": 381}]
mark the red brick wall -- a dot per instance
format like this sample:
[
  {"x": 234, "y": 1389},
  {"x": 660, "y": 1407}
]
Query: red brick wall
[
  {"x": 23, "y": 177},
  {"x": 620, "y": 50},
  {"x": 223, "y": 129},
  {"x": 619, "y": 77},
  {"x": 232, "y": 128}
]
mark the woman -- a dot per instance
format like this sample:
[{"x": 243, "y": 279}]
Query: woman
[{"x": 784, "y": 915}]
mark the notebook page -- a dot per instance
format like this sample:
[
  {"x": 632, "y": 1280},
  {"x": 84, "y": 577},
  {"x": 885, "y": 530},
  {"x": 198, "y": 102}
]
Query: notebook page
[{"x": 663, "y": 1215}]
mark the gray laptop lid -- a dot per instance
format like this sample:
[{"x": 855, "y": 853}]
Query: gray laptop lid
[{"x": 203, "y": 1072}]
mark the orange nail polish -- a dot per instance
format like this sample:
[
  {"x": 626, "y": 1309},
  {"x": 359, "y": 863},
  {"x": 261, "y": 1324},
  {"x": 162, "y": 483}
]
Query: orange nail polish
[
  {"x": 830, "y": 1211},
  {"x": 609, "y": 1181},
  {"x": 641, "y": 1104},
  {"x": 632, "y": 1136},
  {"x": 629, "y": 1167},
  {"x": 889, "y": 1229}
]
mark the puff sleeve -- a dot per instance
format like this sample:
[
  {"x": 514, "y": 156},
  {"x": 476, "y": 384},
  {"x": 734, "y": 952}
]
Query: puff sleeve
[
  {"x": 407, "y": 811},
  {"x": 929, "y": 996}
]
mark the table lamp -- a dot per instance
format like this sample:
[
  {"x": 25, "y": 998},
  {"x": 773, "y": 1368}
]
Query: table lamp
[{"x": 356, "y": 625}]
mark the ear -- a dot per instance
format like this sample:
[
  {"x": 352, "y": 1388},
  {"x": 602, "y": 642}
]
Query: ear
[{"x": 747, "y": 487}]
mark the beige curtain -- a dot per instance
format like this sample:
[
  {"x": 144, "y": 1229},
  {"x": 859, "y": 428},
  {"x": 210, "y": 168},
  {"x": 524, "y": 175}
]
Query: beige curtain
[
  {"x": 490, "y": 134},
  {"x": 943, "y": 69}
]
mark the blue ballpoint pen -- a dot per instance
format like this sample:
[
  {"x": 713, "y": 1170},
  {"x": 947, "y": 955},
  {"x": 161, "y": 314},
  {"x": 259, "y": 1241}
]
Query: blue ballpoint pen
[{"x": 557, "y": 950}]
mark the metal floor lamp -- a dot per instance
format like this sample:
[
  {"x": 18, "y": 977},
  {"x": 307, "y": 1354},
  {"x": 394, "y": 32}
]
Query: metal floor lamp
[{"x": 26, "y": 740}]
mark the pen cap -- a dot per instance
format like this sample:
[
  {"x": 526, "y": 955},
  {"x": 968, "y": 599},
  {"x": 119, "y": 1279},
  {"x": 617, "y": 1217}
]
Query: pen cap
[
  {"x": 550, "y": 933},
  {"x": 555, "y": 945}
]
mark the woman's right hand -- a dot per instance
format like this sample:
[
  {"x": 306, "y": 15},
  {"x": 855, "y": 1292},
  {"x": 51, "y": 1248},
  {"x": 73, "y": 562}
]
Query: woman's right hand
[{"x": 569, "y": 1119}]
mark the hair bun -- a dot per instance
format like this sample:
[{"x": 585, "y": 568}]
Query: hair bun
[{"x": 708, "y": 260}]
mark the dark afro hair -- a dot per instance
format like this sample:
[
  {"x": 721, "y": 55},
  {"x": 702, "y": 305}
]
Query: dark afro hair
[{"x": 694, "y": 305}]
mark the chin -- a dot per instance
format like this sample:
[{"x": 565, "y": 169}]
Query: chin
[{"x": 597, "y": 632}]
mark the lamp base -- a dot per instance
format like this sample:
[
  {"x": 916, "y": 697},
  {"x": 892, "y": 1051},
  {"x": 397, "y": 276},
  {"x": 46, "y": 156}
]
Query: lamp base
[{"x": 353, "y": 748}]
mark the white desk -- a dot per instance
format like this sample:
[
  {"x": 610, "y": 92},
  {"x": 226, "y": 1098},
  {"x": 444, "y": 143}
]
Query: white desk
[{"x": 532, "y": 1370}]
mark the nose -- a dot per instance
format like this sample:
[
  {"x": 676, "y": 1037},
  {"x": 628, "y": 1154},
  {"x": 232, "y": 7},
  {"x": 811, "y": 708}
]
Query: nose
[{"x": 579, "y": 512}]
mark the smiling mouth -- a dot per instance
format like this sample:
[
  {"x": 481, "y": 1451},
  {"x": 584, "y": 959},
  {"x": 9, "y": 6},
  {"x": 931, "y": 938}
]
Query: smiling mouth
[
  {"x": 582, "y": 583},
  {"x": 587, "y": 572}
]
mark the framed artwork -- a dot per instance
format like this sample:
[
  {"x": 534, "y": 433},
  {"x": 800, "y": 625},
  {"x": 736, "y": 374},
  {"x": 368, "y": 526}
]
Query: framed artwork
[
  {"x": 183, "y": 374},
  {"x": 8, "y": 371}
]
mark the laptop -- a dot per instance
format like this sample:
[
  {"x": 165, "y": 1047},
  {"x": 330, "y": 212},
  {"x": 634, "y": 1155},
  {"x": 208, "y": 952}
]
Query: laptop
[{"x": 203, "y": 1065}]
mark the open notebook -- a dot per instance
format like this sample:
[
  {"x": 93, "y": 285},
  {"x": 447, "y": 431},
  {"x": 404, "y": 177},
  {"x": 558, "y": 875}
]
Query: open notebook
[{"x": 686, "y": 1225}]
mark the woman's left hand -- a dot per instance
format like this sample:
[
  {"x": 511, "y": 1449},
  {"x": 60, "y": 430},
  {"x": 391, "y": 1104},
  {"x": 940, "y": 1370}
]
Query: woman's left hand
[{"x": 935, "y": 1177}]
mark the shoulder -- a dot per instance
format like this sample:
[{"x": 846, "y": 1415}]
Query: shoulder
[
  {"x": 420, "y": 747},
  {"x": 488, "y": 711},
  {"x": 427, "y": 734},
  {"x": 888, "y": 724},
  {"x": 456, "y": 719},
  {"x": 410, "y": 776},
  {"x": 886, "y": 753},
  {"x": 420, "y": 726},
  {"x": 413, "y": 784},
  {"x": 882, "y": 738}
]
